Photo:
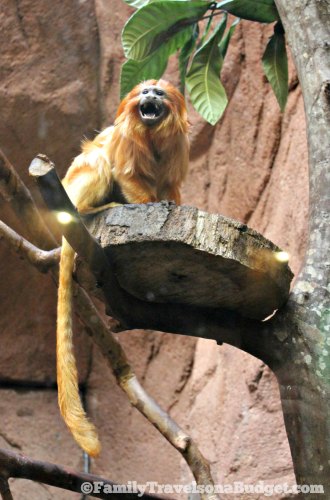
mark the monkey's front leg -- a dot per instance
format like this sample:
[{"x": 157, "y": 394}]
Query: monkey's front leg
[
  {"x": 173, "y": 194},
  {"x": 137, "y": 190}
]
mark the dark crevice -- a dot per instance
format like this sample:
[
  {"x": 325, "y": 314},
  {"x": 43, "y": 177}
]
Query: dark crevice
[
  {"x": 10, "y": 441},
  {"x": 24, "y": 385},
  {"x": 153, "y": 353},
  {"x": 326, "y": 92},
  {"x": 20, "y": 19},
  {"x": 258, "y": 125},
  {"x": 184, "y": 379},
  {"x": 274, "y": 153},
  {"x": 293, "y": 85}
]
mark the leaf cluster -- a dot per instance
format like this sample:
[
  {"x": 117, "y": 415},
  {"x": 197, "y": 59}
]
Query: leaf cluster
[{"x": 200, "y": 31}]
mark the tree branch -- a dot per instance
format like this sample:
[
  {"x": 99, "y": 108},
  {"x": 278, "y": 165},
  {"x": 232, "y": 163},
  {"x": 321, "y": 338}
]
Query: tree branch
[
  {"x": 19, "y": 197},
  {"x": 138, "y": 397},
  {"x": 5, "y": 489},
  {"x": 43, "y": 260},
  {"x": 303, "y": 327},
  {"x": 14, "y": 465},
  {"x": 307, "y": 31}
]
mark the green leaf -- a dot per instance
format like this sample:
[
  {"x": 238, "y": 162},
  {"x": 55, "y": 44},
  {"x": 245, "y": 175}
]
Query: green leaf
[
  {"x": 275, "y": 65},
  {"x": 207, "y": 93},
  {"x": 185, "y": 54},
  {"x": 153, "y": 66},
  {"x": 156, "y": 23},
  {"x": 223, "y": 45},
  {"x": 263, "y": 11}
]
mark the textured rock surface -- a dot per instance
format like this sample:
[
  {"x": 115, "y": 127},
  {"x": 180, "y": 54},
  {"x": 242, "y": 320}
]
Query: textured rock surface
[
  {"x": 48, "y": 101},
  {"x": 30, "y": 424},
  {"x": 59, "y": 72}
]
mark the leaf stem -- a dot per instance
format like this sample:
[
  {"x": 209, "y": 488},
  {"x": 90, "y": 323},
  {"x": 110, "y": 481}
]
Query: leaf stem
[{"x": 211, "y": 15}]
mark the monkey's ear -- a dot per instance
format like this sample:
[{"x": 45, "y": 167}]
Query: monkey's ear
[
  {"x": 122, "y": 106},
  {"x": 133, "y": 94},
  {"x": 175, "y": 96}
]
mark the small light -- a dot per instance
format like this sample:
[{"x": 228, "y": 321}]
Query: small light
[
  {"x": 64, "y": 217},
  {"x": 282, "y": 256}
]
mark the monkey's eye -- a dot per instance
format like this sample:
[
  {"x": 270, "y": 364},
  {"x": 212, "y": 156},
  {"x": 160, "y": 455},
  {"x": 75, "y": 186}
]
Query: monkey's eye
[
  {"x": 145, "y": 91},
  {"x": 159, "y": 92}
]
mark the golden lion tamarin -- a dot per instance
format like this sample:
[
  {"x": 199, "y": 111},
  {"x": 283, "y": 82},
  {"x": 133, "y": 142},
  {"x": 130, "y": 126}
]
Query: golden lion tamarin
[{"x": 142, "y": 158}]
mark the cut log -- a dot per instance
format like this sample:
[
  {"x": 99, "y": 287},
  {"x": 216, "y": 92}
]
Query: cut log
[
  {"x": 150, "y": 251},
  {"x": 163, "y": 253}
]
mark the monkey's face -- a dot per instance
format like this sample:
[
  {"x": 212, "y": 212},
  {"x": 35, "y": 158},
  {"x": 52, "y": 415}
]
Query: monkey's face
[{"x": 152, "y": 104}]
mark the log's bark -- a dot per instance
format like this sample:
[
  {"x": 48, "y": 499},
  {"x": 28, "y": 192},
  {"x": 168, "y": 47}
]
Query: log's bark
[
  {"x": 303, "y": 329},
  {"x": 163, "y": 253}
]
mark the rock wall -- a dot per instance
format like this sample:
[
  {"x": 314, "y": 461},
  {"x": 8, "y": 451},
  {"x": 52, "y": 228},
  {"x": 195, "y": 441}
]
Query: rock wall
[{"x": 59, "y": 74}]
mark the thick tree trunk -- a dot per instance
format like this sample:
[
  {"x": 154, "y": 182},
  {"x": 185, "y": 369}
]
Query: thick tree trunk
[{"x": 303, "y": 366}]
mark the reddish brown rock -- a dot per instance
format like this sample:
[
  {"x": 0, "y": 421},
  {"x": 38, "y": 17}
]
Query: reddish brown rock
[
  {"x": 31, "y": 425},
  {"x": 48, "y": 101}
]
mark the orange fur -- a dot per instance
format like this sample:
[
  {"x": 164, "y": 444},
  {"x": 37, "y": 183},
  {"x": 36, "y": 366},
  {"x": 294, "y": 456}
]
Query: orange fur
[{"x": 149, "y": 164}]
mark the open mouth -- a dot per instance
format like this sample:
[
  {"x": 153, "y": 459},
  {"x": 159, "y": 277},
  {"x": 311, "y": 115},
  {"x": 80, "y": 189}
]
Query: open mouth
[{"x": 151, "y": 112}]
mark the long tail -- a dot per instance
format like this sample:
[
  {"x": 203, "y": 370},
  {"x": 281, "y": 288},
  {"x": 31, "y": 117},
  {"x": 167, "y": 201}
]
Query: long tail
[{"x": 71, "y": 408}]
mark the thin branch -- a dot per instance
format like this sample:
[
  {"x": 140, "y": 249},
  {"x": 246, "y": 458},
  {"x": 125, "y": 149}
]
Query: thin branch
[
  {"x": 20, "y": 199},
  {"x": 43, "y": 260},
  {"x": 15, "y": 465},
  {"x": 211, "y": 16},
  {"x": 5, "y": 489},
  {"x": 139, "y": 398},
  {"x": 186, "y": 22}
]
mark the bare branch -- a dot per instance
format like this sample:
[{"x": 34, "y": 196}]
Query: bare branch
[
  {"x": 139, "y": 398},
  {"x": 20, "y": 466},
  {"x": 44, "y": 172},
  {"x": 41, "y": 259},
  {"x": 5, "y": 489},
  {"x": 17, "y": 194}
]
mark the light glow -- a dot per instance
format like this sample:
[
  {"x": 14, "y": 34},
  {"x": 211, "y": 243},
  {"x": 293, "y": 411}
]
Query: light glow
[
  {"x": 282, "y": 256},
  {"x": 64, "y": 217}
]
